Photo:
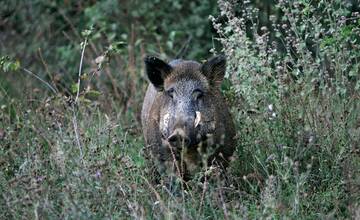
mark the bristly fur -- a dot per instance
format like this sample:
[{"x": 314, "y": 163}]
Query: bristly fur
[
  {"x": 185, "y": 70},
  {"x": 216, "y": 131}
]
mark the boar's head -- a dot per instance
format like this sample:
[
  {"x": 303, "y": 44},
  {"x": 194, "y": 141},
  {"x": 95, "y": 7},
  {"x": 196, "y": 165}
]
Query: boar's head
[{"x": 187, "y": 94}]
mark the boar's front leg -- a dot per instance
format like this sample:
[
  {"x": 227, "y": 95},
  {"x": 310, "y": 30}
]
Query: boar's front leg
[{"x": 162, "y": 161}]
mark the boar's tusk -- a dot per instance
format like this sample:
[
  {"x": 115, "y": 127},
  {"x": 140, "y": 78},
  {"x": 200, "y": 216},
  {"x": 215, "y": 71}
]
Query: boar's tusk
[
  {"x": 197, "y": 119},
  {"x": 166, "y": 119}
]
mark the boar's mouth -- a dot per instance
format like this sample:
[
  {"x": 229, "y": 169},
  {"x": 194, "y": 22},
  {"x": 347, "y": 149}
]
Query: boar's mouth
[
  {"x": 188, "y": 132},
  {"x": 180, "y": 138}
]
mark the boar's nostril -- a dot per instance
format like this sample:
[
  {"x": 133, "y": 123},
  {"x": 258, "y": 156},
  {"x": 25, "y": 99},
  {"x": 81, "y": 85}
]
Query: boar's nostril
[
  {"x": 174, "y": 138},
  {"x": 178, "y": 139}
]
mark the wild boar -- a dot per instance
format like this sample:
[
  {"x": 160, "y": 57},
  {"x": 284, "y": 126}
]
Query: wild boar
[{"x": 185, "y": 117}]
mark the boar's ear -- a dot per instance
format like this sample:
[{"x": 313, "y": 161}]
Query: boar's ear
[
  {"x": 214, "y": 69},
  {"x": 156, "y": 70}
]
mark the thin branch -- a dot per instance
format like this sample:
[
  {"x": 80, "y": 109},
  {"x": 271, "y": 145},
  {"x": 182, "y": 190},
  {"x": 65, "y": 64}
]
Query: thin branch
[
  {"x": 181, "y": 53},
  {"x": 75, "y": 124},
  {"x": 205, "y": 187},
  {"x": 77, "y": 134},
  {"x": 157, "y": 195},
  {"x": 47, "y": 69},
  {"x": 226, "y": 215},
  {"x": 43, "y": 81},
  {"x": 80, "y": 69}
]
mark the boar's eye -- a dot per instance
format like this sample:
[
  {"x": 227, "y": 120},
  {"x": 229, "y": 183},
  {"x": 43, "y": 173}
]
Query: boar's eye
[
  {"x": 197, "y": 94},
  {"x": 170, "y": 92}
]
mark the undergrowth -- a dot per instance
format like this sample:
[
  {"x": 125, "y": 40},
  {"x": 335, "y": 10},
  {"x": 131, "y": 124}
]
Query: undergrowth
[{"x": 293, "y": 84}]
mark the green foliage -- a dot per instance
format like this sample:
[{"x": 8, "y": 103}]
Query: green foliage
[
  {"x": 7, "y": 65},
  {"x": 46, "y": 37},
  {"x": 296, "y": 81},
  {"x": 292, "y": 79}
]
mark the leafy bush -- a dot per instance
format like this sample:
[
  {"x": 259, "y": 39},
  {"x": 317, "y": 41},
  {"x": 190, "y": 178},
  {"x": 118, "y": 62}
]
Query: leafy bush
[
  {"x": 295, "y": 82},
  {"x": 46, "y": 37}
]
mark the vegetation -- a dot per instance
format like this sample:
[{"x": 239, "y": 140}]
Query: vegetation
[{"x": 71, "y": 88}]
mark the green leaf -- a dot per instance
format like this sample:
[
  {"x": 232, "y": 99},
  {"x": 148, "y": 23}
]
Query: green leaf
[
  {"x": 7, "y": 64},
  {"x": 92, "y": 94},
  {"x": 74, "y": 88}
]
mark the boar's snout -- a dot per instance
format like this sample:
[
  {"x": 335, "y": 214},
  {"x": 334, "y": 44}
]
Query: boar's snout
[
  {"x": 183, "y": 131},
  {"x": 179, "y": 138}
]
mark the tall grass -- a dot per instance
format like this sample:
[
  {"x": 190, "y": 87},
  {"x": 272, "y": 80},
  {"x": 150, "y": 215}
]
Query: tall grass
[
  {"x": 296, "y": 94},
  {"x": 294, "y": 90}
]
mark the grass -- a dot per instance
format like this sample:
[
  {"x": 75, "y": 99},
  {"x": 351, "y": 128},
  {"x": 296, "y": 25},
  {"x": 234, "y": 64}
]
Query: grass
[
  {"x": 297, "y": 119},
  {"x": 43, "y": 174}
]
